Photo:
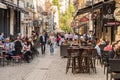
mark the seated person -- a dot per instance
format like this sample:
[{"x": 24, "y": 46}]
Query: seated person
[
  {"x": 75, "y": 42},
  {"x": 26, "y": 50},
  {"x": 8, "y": 48},
  {"x": 83, "y": 41},
  {"x": 113, "y": 53},
  {"x": 98, "y": 49},
  {"x": 108, "y": 47},
  {"x": 65, "y": 42},
  {"x": 89, "y": 42}
]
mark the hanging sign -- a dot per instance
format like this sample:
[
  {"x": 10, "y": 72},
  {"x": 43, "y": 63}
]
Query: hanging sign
[{"x": 108, "y": 14}]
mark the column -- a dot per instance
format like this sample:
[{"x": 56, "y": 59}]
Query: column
[{"x": 11, "y": 21}]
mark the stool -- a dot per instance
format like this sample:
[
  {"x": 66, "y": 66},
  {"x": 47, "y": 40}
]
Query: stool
[{"x": 73, "y": 60}]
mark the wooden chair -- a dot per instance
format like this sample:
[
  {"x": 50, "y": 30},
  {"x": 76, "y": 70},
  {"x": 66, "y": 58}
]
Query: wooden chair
[
  {"x": 17, "y": 59},
  {"x": 63, "y": 50},
  {"x": 105, "y": 60},
  {"x": 114, "y": 66}
]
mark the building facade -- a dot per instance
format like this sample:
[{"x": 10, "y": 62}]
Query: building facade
[{"x": 24, "y": 16}]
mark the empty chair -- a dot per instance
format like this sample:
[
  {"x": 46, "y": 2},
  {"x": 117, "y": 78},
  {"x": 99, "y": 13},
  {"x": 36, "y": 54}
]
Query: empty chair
[{"x": 114, "y": 66}]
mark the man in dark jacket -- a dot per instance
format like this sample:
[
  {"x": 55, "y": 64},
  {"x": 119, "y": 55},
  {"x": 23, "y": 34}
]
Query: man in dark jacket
[
  {"x": 42, "y": 42},
  {"x": 18, "y": 46}
]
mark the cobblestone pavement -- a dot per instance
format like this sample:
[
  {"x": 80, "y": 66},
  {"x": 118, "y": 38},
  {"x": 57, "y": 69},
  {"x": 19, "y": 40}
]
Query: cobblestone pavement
[{"x": 46, "y": 67}]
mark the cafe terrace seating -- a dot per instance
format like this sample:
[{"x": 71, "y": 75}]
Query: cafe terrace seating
[{"x": 82, "y": 59}]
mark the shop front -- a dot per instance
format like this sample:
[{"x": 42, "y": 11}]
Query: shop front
[
  {"x": 117, "y": 18},
  {"x": 101, "y": 19}
]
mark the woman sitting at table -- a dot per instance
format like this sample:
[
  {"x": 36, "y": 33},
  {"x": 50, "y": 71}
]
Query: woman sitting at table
[{"x": 26, "y": 51}]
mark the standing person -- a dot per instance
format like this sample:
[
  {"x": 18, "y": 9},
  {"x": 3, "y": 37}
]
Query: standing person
[
  {"x": 18, "y": 46},
  {"x": 57, "y": 40},
  {"x": 42, "y": 42},
  {"x": 52, "y": 40}
]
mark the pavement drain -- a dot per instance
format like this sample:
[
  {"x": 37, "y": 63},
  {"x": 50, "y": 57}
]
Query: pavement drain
[{"x": 43, "y": 68}]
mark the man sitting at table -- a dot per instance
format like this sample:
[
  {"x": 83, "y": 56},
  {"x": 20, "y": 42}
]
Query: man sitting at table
[{"x": 7, "y": 48}]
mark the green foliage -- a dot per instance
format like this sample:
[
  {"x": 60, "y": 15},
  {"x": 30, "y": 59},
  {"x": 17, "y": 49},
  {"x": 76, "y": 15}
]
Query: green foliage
[
  {"x": 66, "y": 18},
  {"x": 56, "y": 3}
]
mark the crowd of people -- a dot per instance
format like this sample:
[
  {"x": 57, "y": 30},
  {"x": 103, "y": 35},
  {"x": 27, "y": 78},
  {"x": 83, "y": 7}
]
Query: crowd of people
[{"x": 22, "y": 46}]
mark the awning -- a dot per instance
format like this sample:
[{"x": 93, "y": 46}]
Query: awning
[
  {"x": 3, "y": 6},
  {"x": 84, "y": 19},
  {"x": 89, "y": 8},
  {"x": 9, "y": 4}
]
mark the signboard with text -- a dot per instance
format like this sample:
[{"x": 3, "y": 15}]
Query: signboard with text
[{"x": 108, "y": 14}]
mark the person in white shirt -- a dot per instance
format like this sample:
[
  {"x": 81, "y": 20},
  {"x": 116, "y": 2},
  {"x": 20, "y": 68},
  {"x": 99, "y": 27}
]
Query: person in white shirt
[
  {"x": 66, "y": 36},
  {"x": 75, "y": 37},
  {"x": 52, "y": 40}
]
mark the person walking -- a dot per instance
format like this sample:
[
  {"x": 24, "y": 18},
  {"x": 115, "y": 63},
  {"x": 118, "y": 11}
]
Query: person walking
[
  {"x": 42, "y": 41},
  {"x": 52, "y": 40}
]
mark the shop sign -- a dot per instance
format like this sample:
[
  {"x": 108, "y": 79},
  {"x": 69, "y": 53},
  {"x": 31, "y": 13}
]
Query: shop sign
[
  {"x": 117, "y": 14},
  {"x": 112, "y": 23},
  {"x": 108, "y": 14}
]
